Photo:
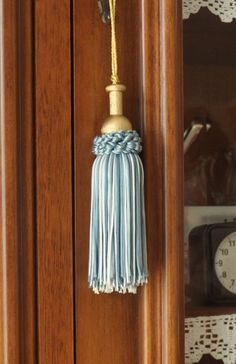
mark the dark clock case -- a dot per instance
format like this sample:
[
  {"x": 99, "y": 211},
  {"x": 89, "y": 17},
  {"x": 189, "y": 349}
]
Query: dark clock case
[{"x": 204, "y": 284}]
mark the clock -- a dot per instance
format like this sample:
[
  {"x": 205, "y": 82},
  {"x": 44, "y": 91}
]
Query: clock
[
  {"x": 212, "y": 252},
  {"x": 225, "y": 262}
]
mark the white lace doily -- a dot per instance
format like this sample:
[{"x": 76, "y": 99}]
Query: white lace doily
[
  {"x": 214, "y": 335},
  {"x": 225, "y": 9}
]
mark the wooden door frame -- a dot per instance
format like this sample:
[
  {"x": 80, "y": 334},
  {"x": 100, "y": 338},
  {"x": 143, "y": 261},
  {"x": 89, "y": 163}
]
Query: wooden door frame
[
  {"x": 17, "y": 250},
  {"x": 162, "y": 301},
  {"x": 54, "y": 186},
  {"x": 35, "y": 143},
  {"x": 161, "y": 318},
  {"x": 171, "y": 71}
]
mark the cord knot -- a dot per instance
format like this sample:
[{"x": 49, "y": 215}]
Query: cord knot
[
  {"x": 117, "y": 143},
  {"x": 115, "y": 79}
]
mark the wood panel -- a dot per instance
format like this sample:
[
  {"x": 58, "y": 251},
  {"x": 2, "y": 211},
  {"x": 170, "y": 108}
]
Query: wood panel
[
  {"x": 107, "y": 325},
  {"x": 147, "y": 328},
  {"x": 17, "y": 302},
  {"x": 163, "y": 161},
  {"x": 151, "y": 300},
  {"x": 26, "y": 188},
  {"x": 54, "y": 182},
  {"x": 172, "y": 129},
  {"x": 10, "y": 347}
]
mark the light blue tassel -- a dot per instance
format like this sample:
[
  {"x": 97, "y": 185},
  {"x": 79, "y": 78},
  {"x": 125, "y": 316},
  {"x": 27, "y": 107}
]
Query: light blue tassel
[{"x": 117, "y": 253}]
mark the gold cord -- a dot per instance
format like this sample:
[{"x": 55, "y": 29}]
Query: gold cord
[{"x": 114, "y": 66}]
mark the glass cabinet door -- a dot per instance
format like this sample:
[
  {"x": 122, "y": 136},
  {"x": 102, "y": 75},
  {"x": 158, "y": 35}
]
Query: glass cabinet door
[{"x": 210, "y": 185}]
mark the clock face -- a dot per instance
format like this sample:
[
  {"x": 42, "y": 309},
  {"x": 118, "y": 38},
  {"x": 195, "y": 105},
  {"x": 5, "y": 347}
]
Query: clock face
[{"x": 225, "y": 262}]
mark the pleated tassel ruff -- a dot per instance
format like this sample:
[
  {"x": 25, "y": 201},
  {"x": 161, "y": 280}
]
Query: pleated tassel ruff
[{"x": 117, "y": 254}]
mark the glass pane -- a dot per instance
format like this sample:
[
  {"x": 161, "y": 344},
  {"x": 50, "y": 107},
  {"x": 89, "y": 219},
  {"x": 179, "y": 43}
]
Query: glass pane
[{"x": 210, "y": 188}]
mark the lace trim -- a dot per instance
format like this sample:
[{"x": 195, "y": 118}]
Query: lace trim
[
  {"x": 214, "y": 335},
  {"x": 225, "y": 9}
]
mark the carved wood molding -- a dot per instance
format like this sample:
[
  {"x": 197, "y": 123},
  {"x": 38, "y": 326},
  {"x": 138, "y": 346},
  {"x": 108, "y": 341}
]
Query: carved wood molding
[
  {"x": 153, "y": 319},
  {"x": 17, "y": 251},
  {"x": 163, "y": 301}
]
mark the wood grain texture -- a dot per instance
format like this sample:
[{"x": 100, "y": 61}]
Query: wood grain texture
[
  {"x": 151, "y": 301},
  {"x": 54, "y": 182},
  {"x": 107, "y": 325},
  {"x": 147, "y": 328},
  {"x": 172, "y": 130},
  {"x": 10, "y": 346},
  {"x": 26, "y": 187},
  {"x": 17, "y": 334},
  {"x": 163, "y": 300}
]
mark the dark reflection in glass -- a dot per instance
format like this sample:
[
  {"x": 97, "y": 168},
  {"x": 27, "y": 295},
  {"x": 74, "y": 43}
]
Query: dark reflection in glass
[
  {"x": 210, "y": 162},
  {"x": 207, "y": 359},
  {"x": 210, "y": 92}
]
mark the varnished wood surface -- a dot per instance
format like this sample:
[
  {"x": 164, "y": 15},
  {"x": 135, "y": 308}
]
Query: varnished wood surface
[
  {"x": 9, "y": 303},
  {"x": 149, "y": 326},
  {"x": 107, "y": 326},
  {"x": 26, "y": 188},
  {"x": 172, "y": 129},
  {"x": 151, "y": 299},
  {"x": 17, "y": 287},
  {"x": 59, "y": 117},
  {"x": 54, "y": 182}
]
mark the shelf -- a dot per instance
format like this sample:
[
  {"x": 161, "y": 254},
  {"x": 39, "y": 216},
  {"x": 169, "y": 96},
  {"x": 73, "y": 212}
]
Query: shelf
[{"x": 209, "y": 310}]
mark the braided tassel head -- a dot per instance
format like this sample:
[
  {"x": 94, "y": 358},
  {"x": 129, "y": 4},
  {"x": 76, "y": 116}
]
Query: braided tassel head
[{"x": 117, "y": 143}]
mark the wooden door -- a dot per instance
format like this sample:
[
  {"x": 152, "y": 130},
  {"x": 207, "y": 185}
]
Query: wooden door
[{"x": 56, "y": 66}]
